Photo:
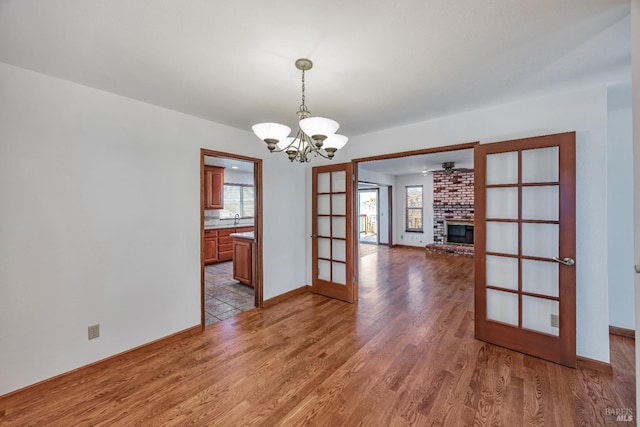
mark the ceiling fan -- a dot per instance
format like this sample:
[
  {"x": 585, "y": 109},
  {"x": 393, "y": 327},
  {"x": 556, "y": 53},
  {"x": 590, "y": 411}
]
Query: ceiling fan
[{"x": 447, "y": 166}]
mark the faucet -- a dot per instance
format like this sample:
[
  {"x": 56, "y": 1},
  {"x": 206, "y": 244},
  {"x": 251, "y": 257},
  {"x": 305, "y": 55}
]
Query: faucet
[{"x": 236, "y": 219}]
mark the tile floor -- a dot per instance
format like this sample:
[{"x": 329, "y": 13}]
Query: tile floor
[{"x": 223, "y": 296}]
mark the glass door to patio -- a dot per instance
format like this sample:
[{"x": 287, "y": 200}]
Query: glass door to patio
[{"x": 368, "y": 215}]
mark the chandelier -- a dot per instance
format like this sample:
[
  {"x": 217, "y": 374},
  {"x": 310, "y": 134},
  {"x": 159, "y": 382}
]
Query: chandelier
[{"x": 315, "y": 135}]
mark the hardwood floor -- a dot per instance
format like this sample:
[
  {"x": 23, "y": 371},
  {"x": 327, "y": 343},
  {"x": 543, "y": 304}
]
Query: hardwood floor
[{"x": 404, "y": 355}]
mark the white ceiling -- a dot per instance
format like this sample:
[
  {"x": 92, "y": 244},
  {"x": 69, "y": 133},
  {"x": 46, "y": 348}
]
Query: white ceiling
[
  {"x": 463, "y": 159},
  {"x": 228, "y": 163},
  {"x": 378, "y": 64}
]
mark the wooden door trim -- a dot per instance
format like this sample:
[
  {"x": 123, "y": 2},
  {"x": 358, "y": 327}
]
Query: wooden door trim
[
  {"x": 432, "y": 150},
  {"x": 390, "y": 214},
  {"x": 503, "y": 334},
  {"x": 258, "y": 224}
]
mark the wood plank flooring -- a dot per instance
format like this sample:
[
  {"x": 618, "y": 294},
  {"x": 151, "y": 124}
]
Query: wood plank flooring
[{"x": 404, "y": 355}]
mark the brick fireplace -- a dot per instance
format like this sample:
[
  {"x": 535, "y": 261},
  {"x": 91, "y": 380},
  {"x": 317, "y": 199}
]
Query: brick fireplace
[{"x": 452, "y": 201}]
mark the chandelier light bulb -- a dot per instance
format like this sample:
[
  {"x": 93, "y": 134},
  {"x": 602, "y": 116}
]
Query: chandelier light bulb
[
  {"x": 274, "y": 131},
  {"x": 336, "y": 141},
  {"x": 318, "y": 126}
]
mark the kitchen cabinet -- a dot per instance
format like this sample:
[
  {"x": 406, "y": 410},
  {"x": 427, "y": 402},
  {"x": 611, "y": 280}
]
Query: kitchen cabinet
[
  {"x": 210, "y": 248},
  {"x": 225, "y": 244},
  {"x": 218, "y": 243},
  {"x": 213, "y": 187},
  {"x": 243, "y": 260}
]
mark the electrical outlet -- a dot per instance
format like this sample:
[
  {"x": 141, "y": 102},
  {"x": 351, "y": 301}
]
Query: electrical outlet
[
  {"x": 94, "y": 331},
  {"x": 555, "y": 321}
]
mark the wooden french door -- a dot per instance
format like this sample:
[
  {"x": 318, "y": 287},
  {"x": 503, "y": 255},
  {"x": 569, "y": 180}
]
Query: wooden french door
[
  {"x": 333, "y": 247},
  {"x": 525, "y": 241}
]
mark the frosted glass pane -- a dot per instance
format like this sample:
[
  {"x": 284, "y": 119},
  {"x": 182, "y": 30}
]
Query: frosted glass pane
[
  {"x": 536, "y": 314},
  {"x": 339, "y": 250},
  {"x": 502, "y": 203},
  {"x": 324, "y": 270},
  {"x": 339, "y": 182},
  {"x": 502, "y": 272},
  {"x": 324, "y": 183},
  {"x": 339, "y": 273},
  {"x": 540, "y": 240},
  {"x": 339, "y": 227},
  {"x": 540, "y": 165},
  {"x": 324, "y": 226},
  {"x": 502, "y": 168},
  {"x": 324, "y": 204},
  {"x": 502, "y": 237},
  {"x": 324, "y": 248},
  {"x": 339, "y": 204},
  {"x": 540, "y": 277},
  {"x": 540, "y": 202},
  {"x": 502, "y": 306}
]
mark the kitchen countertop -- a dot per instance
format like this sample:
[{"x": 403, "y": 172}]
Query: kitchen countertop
[
  {"x": 246, "y": 235},
  {"x": 219, "y": 227}
]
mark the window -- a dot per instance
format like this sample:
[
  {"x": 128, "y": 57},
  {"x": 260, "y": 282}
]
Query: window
[
  {"x": 238, "y": 200},
  {"x": 413, "y": 206}
]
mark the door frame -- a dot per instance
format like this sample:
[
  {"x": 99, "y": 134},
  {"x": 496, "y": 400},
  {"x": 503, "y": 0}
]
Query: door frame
[
  {"x": 257, "y": 261},
  {"x": 356, "y": 162},
  {"x": 389, "y": 211}
]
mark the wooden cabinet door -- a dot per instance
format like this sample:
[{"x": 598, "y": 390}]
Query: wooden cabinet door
[
  {"x": 213, "y": 187},
  {"x": 243, "y": 261},
  {"x": 210, "y": 250},
  {"x": 210, "y": 246},
  {"x": 225, "y": 244}
]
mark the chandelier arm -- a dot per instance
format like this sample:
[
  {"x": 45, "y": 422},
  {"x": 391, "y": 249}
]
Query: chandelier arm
[
  {"x": 278, "y": 150},
  {"x": 320, "y": 153}
]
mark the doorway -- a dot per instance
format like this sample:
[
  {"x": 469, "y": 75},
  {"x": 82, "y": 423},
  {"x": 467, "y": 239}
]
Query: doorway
[
  {"x": 231, "y": 235},
  {"x": 368, "y": 214},
  {"x": 416, "y": 194}
]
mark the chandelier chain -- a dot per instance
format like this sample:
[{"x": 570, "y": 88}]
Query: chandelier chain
[{"x": 303, "y": 106}]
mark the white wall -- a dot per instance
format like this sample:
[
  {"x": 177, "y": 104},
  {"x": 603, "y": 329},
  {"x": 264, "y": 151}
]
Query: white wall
[
  {"x": 99, "y": 222},
  {"x": 620, "y": 207},
  {"x": 383, "y": 206},
  {"x": 365, "y": 175},
  {"x": 400, "y": 236},
  {"x": 635, "y": 84},
  {"x": 584, "y": 111}
]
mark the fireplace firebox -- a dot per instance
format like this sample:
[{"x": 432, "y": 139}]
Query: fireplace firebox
[{"x": 458, "y": 231}]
